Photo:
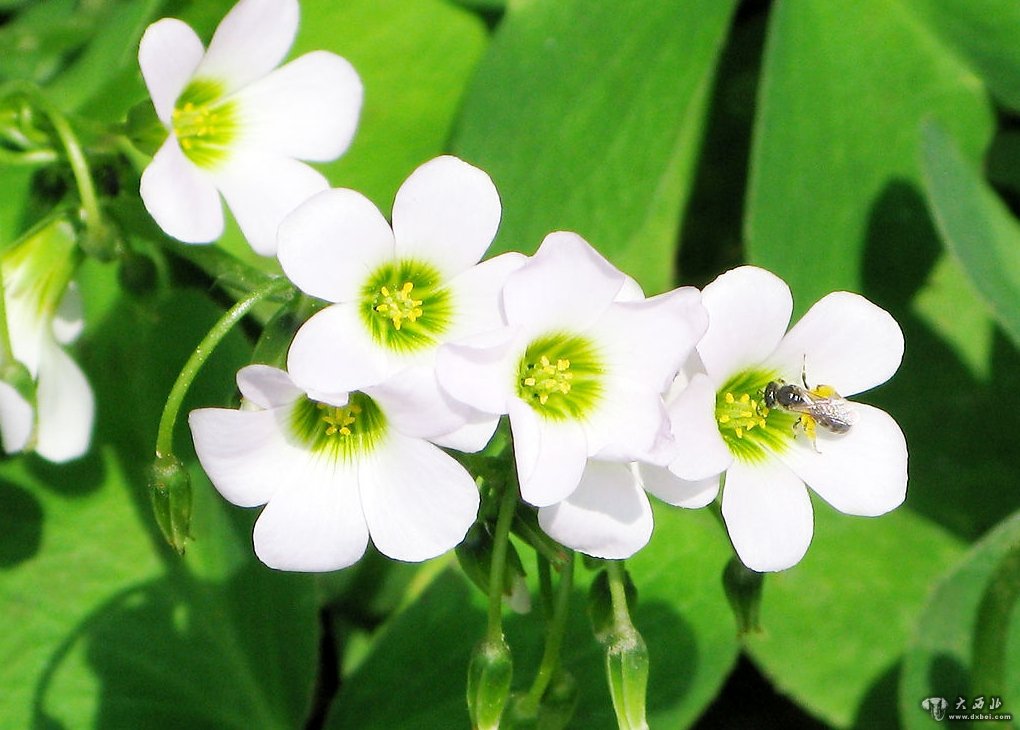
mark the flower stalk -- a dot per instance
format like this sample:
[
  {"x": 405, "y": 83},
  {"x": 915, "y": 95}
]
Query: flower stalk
[{"x": 626, "y": 656}]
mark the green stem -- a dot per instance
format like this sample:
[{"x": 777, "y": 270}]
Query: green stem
[
  {"x": 227, "y": 270},
  {"x": 553, "y": 639},
  {"x": 164, "y": 438},
  {"x": 30, "y": 158},
  {"x": 497, "y": 569},
  {"x": 616, "y": 573},
  {"x": 72, "y": 147},
  {"x": 991, "y": 631}
]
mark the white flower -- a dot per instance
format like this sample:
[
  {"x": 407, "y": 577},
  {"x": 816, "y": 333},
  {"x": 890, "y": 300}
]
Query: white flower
[
  {"x": 43, "y": 313},
  {"x": 331, "y": 476},
  {"x": 237, "y": 126},
  {"x": 721, "y": 422},
  {"x": 399, "y": 293},
  {"x": 580, "y": 368}
]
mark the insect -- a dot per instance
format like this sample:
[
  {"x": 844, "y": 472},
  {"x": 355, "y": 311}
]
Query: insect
[{"x": 818, "y": 406}]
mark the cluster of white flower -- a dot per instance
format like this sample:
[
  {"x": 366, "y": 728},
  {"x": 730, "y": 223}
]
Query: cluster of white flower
[{"x": 423, "y": 346}]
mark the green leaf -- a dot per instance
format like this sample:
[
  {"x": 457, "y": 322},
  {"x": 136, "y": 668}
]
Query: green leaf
[
  {"x": 588, "y": 118},
  {"x": 834, "y": 168},
  {"x": 837, "y": 623},
  {"x": 112, "y": 629},
  {"x": 976, "y": 227},
  {"x": 938, "y": 662},
  {"x": 681, "y": 613}
]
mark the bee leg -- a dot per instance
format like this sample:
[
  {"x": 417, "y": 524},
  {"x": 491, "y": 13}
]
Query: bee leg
[
  {"x": 809, "y": 428},
  {"x": 803, "y": 372}
]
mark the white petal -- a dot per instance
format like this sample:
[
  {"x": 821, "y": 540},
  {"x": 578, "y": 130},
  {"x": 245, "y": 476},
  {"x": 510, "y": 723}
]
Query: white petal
[
  {"x": 630, "y": 423},
  {"x": 314, "y": 520},
  {"x": 244, "y": 453},
  {"x": 767, "y": 512},
  {"x": 332, "y": 243},
  {"x": 180, "y": 198},
  {"x": 168, "y": 55},
  {"x": 647, "y": 341},
  {"x": 419, "y": 502},
  {"x": 861, "y": 472},
  {"x": 17, "y": 419},
  {"x": 479, "y": 371},
  {"x": 261, "y": 189},
  {"x": 473, "y": 436},
  {"x": 700, "y": 451},
  {"x": 678, "y": 492},
  {"x": 844, "y": 341},
  {"x": 307, "y": 109},
  {"x": 446, "y": 214},
  {"x": 250, "y": 42},
  {"x": 65, "y": 406},
  {"x": 334, "y": 353},
  {"x": 567, "y": 285},
  {"x": 266, "y": 386},
  {"x": 748, "y": 312},
  {"x": 607, "y": 516},
  {"x": 631, "y": 291},
  {"x": 416, "y": 406},
  {"x": 478, "y": 296},
  {"x": 550, "y": 455},
  {"x": 69, "y": 319}
]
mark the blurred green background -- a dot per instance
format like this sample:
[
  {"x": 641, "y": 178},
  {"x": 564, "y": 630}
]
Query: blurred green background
[{"x": 872, "y": 146}]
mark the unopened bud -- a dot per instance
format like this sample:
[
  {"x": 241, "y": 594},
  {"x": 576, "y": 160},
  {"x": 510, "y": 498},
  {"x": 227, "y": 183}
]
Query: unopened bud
[
  {"x": 488, "y": 685},
  {"x": 170, "y": 487},
  {"x": 743, "y": 588},
  {"x": 17, "y": 407},
  {"x": 627, "y": 669},
  {"x": 102, "y": 240}
]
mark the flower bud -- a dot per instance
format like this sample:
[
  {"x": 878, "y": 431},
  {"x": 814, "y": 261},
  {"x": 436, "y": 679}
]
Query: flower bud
[
  {"x": 101, "y": 239},
  {"x": 170, "y": 487},
  {"x": 488, "y": 685},
  {"x": 627, "y": 668},
  {"x": 743, "y": 590}
]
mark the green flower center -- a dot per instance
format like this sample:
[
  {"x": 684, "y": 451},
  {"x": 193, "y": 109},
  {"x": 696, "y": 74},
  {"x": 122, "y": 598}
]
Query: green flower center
[
  {"x": 560, "y": 376},
  {"x": 204, "y": 123},
  {"x": 342, "y": 432},
  {"x": 405, "y": 306},
  {"x": 749, "y": 428}
]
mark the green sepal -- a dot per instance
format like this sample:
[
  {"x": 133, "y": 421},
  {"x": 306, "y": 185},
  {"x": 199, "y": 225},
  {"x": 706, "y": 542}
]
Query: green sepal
[
  {"x": 627, "y": 669},
  {"x": 170, "y": 489},
  {"x": 744, "y": 589},
  {"x": 488, "y": 687},
  {"x": 16, "y": 375}
]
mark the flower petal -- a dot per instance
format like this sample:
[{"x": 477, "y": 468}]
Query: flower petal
[
  {"x": 607, "y": 516},
  {"x": 567, "y": 285},
  {"x": 333, "y": 353},
  {"x": 478, "y": 296},
  {"x": 748, "y": 312},
  {"x": 331, "y": 243},
  {"x": 180, "y": 198},
  {"x": 700, "y": 451},
  {"x": 446, "y": 214},
  {"x": 479, "y": 370},
  {"x": 844, "y": 341},
  {"x": 261, "y": 189},
  {"x": 244, "y": 453},
  {"x": 168, "y": 55},
  {"x": 862, "y": 472},
  {"x": 17, "y": 418},
  {"x": 550, "y": 455},
  {"x": 314, "y": 521},
  {"x": 473, "y": 436},
  {"x": 416, "y": 406},
  {"x": 629, "y": 423},
  {"x": 307, "y": 109},
  {"x": 266, "y": 386},
  {"x": 678, "y": 492},
  {"x": 65, "y": 406},
  {"x": 767, "y": 512},
  {"x": 419, "y": 502},
  {"x": 249, "y": 42}
]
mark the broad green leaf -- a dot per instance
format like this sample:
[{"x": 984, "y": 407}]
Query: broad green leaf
[
  {"x": 112, "y": 629},
  {"x": 939, "y": 658},
  {"x": 419, "y": 664},
  {"x": 836, "y": 625},
  {"x": 976, "y": 227},
  {"x": 835, "y": 173},
  {"x": 588, "y": 118}
]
